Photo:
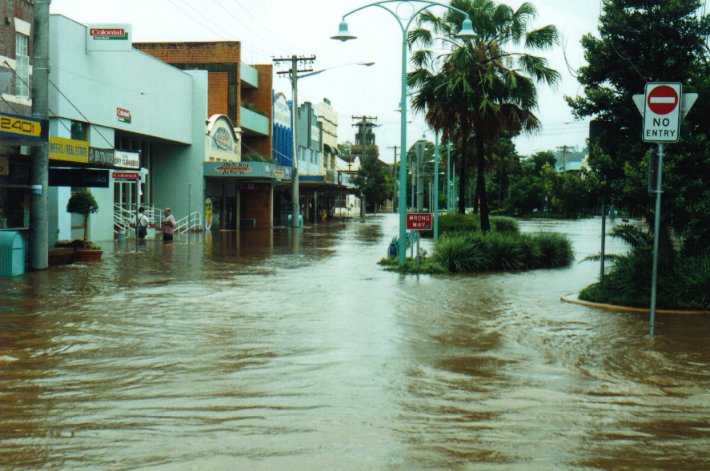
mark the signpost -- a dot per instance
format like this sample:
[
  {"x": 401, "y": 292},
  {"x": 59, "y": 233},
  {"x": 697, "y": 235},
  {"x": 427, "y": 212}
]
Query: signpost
[
  {"x": 663, "y": 106},
  {"x": 419, "y": 222}
]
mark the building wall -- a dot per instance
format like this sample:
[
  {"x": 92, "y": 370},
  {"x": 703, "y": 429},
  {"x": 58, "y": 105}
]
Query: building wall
[
  {"x": 309, "y": 141},
  {"x": 261, "y": 99},
  {"x": 165, "y": 103},
  {"x": 218, "y": 101},
  {"x": 220, "y": 59},
  {"x": 178, "y": 179},
  {"x": 23, "y": 10},
  {"x": 94, "y": 84},
  {"x": 282, "y": 139}
]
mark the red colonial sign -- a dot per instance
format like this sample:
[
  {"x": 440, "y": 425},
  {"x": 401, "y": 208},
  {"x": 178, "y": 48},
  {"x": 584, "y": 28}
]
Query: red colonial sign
[
  {"x": 123, "y": 115},
  {"x": 125, "y": 175},
  {"x": 419, "y": 221},
  {"x": 108, "y": 33}
]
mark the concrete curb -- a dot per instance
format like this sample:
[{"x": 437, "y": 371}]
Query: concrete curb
[{"x": 633, "y": 310}]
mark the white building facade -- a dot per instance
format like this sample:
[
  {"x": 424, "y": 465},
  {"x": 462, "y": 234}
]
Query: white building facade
[{"x": 117, "y": 113}]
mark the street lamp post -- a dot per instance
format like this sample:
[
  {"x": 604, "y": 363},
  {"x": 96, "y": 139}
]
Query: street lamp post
[
  {"x": 448, "y": 176},
  {"x": 294, "y": 76},
  {"x": 404, "y": 23},
  {"x": 436, "y": 185}
]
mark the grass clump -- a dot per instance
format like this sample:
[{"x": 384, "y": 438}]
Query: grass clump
[
  {"x": 479, "y": 252},
  {"x": 456, "y": 222},
  {"x": 683, "y": 280}
]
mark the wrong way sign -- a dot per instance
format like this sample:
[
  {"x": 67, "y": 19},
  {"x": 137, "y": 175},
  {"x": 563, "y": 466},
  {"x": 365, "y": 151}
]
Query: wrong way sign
[{"x": 662, "y": 112}]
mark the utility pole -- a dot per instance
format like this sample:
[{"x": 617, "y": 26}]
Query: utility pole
[
  {"x": 394, "y": 177},
  {"x": 363, "y": 124},
  {"x": 565, "y": 150},
  {"x": 293, "y": 75},
  {"x": 39, "y": 232}
]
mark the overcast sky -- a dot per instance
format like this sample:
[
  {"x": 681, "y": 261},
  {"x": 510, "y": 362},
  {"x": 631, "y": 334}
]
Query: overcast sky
[{"x": 277, "y": 28}]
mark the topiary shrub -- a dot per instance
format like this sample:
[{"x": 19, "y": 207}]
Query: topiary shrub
[{"x": 83, "y": 202}]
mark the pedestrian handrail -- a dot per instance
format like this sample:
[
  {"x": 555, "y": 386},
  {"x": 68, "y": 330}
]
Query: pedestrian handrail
[
  {"x": 192, "y": 221},
  {"x": 124, "y": 217}
]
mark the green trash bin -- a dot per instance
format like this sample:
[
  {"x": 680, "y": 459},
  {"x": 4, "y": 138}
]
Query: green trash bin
[{"x": 12, "y": 253}]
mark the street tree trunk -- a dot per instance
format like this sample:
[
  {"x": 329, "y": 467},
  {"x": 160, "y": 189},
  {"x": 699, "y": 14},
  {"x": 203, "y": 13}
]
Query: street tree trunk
[{"x": 481, "y": 185}]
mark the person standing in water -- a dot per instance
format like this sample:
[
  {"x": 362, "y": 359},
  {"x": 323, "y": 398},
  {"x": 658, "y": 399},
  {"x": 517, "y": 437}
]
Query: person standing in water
[{"x": 168, "y": 225}]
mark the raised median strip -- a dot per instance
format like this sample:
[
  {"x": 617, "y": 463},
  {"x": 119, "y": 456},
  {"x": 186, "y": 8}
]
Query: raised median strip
[{"x": 633, "y": 310}]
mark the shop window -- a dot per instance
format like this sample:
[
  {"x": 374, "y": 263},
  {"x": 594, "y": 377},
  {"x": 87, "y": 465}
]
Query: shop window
[
  {"x": 78, "y": 130},
  {"x": 14, "y": 208},
  {"x": 22, "y": 68}
]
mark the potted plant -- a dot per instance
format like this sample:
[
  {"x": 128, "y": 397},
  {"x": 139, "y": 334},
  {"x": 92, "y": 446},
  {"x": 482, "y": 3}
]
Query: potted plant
[{"x": 84, "y": 203}]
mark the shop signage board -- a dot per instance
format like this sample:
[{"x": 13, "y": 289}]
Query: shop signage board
[
  {"x": 101, "y": 157},
  {"x": 420, "y": 221},
  {"x": 222, "y": 142},
  {"x": 126, "y": 176},
  {"x": 123, "y": 115},
  {"x": 109, "y": 37},
  {"x": 208, "y": 214},
  {"x": 68, "y": 150},
  {"x": 124, "y": 159},
  {"x": 78, "y": 177},
  {"x": 240, "y": 169},
  {"x": 23, "y": 128}
]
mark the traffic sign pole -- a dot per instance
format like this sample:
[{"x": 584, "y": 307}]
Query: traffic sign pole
[
  {"x": 656, "y": 229},
  {"x": 663, "y": 107}
]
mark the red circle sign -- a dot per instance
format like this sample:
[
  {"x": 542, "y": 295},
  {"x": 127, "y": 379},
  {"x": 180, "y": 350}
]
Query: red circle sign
[{"x": 662, "y": 99}]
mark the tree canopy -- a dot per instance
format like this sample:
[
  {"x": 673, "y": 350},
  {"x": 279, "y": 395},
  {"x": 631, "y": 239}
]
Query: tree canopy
[
  {"x": 644, "y": 41},
  {"x": 479, "y": 89}
]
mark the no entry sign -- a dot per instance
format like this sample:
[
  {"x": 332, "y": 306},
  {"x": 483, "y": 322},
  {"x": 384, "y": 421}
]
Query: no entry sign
[{"x": 661, "y": 115}]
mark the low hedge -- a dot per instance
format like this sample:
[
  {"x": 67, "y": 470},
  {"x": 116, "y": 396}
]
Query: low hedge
[
  {"x": 473, "y": 252},
  {"x": 477, "y": 252}
]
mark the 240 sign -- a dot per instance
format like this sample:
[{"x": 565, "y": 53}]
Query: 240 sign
[{"x": 21, "y": 127}]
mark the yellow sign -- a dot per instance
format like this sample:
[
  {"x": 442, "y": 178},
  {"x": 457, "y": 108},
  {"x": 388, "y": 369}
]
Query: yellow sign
[
  {"x": 68, "y": 150},
  {"x": 208, "y": 214},
  {"x": 22, "y": 127}
]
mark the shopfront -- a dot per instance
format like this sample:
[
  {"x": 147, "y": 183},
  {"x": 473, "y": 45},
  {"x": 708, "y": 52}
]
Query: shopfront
[
  {"x": 241, "y": 194},
  {"x": 17, "y": 135}
]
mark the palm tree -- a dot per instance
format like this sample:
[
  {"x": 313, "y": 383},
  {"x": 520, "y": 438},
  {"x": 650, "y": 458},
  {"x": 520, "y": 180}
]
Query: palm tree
[{"x": 476, "y": 90}]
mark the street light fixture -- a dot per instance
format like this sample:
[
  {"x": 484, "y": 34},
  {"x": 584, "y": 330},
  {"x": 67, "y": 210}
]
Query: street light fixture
[
  {"x": 465, "y": 33},
  {"x": 294, "y": 76}
]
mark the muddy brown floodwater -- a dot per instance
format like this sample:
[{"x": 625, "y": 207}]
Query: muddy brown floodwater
[{"x": 269, "y": 350}]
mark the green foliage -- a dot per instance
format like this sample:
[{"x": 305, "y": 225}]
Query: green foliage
[
  {"x": 252, "y": 107},
  {"x": 82, "y": 202},
  {"x": 456, "y": 222},
  {"x": 374, "y": 179},
  {"x": 480, "y": 90},
  {"x": 555, "y": 250},
  {"x": 620, "y": 61},
  {"x": 504, "y": 224},
  {"x": 426, "y": 266},
  {"x": 468, "y": 252},
  {"x": 257, "y": 157},
  {"x": 683, "y": 280},
  {"x": 570, "y": 194}
]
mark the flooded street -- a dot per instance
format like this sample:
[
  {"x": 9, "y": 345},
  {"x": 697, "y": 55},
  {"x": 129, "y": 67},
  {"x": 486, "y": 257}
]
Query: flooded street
[{"x": 269, "y": 350}]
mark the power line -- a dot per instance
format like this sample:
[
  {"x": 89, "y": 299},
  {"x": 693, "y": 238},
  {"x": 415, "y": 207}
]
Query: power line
[
  {"x": 80, "y": 113},
  {"x": 246, "y": 26}
]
